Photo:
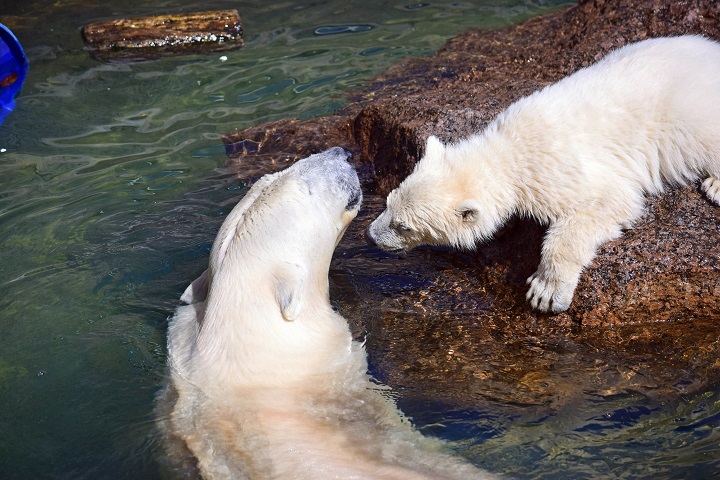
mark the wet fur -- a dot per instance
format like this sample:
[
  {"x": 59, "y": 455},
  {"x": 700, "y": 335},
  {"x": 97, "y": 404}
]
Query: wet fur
[{"x": 265, "y": 379}]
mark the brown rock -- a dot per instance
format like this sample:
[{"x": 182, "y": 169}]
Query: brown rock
[{"x": 455, "y": 325}]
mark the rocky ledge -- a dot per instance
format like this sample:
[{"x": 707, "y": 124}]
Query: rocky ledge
[{"x": 455, "y": 325}]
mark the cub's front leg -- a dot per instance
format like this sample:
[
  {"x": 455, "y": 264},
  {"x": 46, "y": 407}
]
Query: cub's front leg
[{"x": 569, "y": 246}]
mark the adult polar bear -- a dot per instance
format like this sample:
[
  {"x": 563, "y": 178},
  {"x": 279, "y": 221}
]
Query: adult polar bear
[
  {"x": 578, "y": 155},
  {"x": 265, "y": 379}
]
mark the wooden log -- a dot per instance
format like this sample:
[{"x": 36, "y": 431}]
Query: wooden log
[{"x": 164, "y": 35}]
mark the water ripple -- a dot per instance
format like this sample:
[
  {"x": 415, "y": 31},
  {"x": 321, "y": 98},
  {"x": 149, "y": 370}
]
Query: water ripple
[{"x": 338, "y": 29}]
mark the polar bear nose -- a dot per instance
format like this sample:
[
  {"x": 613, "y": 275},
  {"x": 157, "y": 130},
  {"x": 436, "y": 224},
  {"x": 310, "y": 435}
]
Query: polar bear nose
[{"x": 335, "y": 152}]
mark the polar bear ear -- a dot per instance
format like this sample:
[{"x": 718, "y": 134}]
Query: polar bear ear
[
  {"x": 469, "y": 211},
  {"x": 434, "y": 148},
  {"x": 197, "y": 290},
  {"x": 287, "y": 295}
]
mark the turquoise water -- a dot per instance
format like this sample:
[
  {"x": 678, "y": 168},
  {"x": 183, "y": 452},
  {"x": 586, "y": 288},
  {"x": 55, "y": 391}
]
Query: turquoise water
[{"x": 113, "y": 184}]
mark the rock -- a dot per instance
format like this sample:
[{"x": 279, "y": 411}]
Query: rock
[
  {"x": 268, "y": 148},
  {"x": 140, "y": 38},
  {"x": 454, "y": 327}
]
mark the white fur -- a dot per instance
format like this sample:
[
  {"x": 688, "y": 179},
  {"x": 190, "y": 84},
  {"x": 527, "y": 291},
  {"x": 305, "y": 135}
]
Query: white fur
[
  {"x": 265, "y": 379},
  {"x": 578, "y": 155}
]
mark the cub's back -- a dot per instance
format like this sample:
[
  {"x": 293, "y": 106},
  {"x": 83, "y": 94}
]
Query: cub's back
[
  {"x": 649, "y": 110},
  {"x": 665, "y": 75}
]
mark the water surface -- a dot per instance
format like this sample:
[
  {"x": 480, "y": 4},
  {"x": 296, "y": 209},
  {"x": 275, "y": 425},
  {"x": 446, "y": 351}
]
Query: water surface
[{"x": 113, "y": 184}]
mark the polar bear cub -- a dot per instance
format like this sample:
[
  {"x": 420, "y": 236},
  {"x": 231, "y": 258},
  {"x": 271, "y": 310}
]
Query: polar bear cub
[
  {"x": 578, "y": 156},
  {"x": 266, "y": 381}
]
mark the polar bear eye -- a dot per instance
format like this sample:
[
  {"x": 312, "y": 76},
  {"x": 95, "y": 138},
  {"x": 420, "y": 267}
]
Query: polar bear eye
[{"x": 469, "y": 211}]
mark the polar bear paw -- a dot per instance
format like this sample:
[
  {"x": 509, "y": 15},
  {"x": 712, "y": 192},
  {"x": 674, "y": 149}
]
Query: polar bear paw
[
  {"x": 711, "y": 187},
  {"x": 548, "y": 294}
]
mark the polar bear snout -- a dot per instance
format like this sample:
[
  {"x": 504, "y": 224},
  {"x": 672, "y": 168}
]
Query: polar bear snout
[
  {"x": 385, "y": 235},
  {"x": 347, "y": 152},
  {"x": 348, "y": 180},
  {"x": 336, "y": 152},
  {"x": 330, "y": 171},
  {"x": 372, "y": 235}
]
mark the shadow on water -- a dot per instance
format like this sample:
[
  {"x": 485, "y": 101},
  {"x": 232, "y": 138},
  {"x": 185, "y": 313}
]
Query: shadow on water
[{"x": 113, "y": 184}]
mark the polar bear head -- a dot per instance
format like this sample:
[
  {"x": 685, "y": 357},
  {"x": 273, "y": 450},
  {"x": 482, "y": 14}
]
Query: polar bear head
[
  {"x": 261, "y": 310},
  {"x": 287, "y": 226},
  {"x": 446, "y": 200}
]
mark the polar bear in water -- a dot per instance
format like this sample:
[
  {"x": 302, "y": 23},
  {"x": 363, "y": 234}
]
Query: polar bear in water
[
  {"x": 266, "y": 381},
  {"x": 578, "y": 155}
]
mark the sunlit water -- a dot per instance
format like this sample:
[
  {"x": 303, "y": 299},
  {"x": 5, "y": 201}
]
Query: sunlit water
[{"x": 112, "y": 186}]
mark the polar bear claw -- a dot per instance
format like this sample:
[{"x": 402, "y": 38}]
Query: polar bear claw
[
  {"x": 711, "y": 187},
  {"x": 546, "y": 294}
]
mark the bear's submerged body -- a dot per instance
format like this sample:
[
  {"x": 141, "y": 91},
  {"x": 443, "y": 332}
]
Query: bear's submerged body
[
  {"x": 579, "y": 156},
  {"x": 266, "y": 381}
]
